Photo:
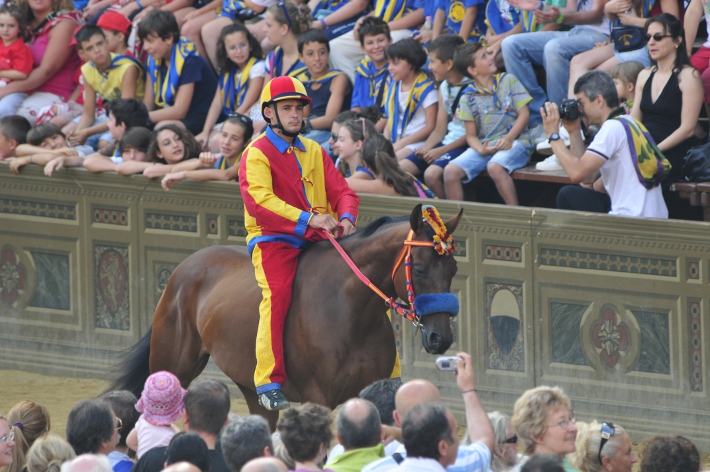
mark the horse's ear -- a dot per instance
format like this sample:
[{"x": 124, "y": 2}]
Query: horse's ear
[
  {"x": 453, "y": 223},
  {"x": 416, "y": 218}
]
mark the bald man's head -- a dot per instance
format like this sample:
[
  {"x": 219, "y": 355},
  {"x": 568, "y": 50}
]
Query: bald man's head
[
  {"x": 411, "y": 394},
  {"x": 265, "y": 464},
  {"x": 358, "y": 424},
  {"x": 181, "y": 467}
]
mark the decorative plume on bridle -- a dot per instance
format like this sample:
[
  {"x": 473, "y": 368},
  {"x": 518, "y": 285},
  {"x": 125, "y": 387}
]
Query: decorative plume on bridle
[{"x": 443, "y": 241}]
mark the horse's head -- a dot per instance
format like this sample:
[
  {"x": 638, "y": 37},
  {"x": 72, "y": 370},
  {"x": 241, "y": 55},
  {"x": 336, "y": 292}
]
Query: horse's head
[{"x": 432, "y": 268}]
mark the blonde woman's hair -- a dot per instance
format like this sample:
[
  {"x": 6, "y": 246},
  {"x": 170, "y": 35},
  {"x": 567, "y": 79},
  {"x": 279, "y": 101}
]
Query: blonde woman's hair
[
  {"x": 530, "y": 413},
  {"x": 48, "y": 454},
  {"x": 57, "y": 6},
  {"x": 29, "y": 421},
  {"x": 499, "y": 422},
  {"x": 589, "y": 437}
]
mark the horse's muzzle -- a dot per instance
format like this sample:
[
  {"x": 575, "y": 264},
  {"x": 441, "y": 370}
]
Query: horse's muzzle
[{"x": 429, "y": 303}]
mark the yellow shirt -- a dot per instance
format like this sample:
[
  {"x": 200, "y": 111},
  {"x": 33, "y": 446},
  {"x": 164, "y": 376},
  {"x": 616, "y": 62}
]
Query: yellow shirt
[{"x": 107, "y": 84}]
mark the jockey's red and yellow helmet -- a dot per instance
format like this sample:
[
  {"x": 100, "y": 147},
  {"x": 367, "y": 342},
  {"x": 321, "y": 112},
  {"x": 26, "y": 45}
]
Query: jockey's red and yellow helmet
[{"x": 283, "y": 88}]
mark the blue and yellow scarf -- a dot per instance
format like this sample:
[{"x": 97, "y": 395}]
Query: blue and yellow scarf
[
  {"x": 230, "y": 8},
  {"x": 305, "y": 77},
  {"x": 493, "y": 91},
  {"x": 275, "y": 60},
  {"x": 420, "y": 89},
  {"x": 233, "y": 91},
  {"x": 367, "y": 69},
  {"x": 120, "y": 60},
  {"x": 650, "y": 163},
  {"x": 165, "y": 82}
]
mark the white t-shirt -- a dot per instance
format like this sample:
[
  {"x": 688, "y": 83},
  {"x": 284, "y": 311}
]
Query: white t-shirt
[
  {"x": 418, "y": 121},
  {"x": 628, "y": 196},
  {"x": 601, "y": 27},
  {"x": 257, "y": 70}
]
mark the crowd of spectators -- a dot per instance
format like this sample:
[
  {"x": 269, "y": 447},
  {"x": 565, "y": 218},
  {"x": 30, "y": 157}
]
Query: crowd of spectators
[
  {"x": 390, "y": 426},
  {"x": 419, "y": 98}
]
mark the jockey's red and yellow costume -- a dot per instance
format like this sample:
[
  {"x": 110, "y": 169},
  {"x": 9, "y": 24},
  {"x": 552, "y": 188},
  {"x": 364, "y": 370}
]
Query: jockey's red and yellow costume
[{"x": 283, "y": 185}]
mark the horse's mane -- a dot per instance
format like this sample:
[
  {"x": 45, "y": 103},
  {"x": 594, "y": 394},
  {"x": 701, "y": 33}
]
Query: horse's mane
[{"x": 370, "y": 229}]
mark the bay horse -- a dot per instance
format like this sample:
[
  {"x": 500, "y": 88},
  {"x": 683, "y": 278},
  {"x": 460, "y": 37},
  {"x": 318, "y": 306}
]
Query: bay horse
[{"x": 337, "y": 337}]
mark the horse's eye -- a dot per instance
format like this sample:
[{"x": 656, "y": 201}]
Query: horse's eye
[{"x": 419, "y": 271}]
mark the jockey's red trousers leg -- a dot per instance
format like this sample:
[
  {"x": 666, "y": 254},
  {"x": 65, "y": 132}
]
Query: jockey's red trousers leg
[{"x": 275, "y": 268}]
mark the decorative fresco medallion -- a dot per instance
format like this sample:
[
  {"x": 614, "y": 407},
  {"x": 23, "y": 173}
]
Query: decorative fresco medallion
[{"x": 611, "y": 339}]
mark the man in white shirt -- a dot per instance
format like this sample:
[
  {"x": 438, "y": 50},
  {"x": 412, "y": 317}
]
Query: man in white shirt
[
  {"x": 430, "y": 435},
  {"x": 632, "y": 191},
  {"x": 474, "y": 457}
]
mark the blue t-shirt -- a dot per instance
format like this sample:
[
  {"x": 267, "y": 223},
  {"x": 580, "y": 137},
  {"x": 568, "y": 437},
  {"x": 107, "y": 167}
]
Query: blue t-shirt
[
  {"x": 197, "y": 71},
  {"x": 455, "y": 11}
]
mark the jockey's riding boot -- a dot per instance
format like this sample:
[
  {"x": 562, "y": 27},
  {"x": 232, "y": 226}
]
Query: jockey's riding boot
[{"x": 273, "y": 400}]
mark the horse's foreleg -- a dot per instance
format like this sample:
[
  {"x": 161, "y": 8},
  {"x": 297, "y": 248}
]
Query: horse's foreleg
[{"x": 256, "y": 409}]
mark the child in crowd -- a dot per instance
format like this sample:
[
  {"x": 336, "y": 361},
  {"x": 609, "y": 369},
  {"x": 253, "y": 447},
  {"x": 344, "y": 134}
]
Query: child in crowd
[
  {"x": 285, "y": 22},
  {"x": 160, "y": 404},
  {"x": 624, "y": 76},
  {"x": 451, "y": 18},
  {"x": 234, "y": 136},
  {"x": 15, "y": 57},
  {"x": 448, "y": 140},
  {"x": 44, "y": 143},
  {"x": 180, "y": 84},
  {"x": 494, "y": 109},
  {"x": 241, "y": 77},
  {"x": 335, "y": 22},
  {"x": 13, "y": 132},
  {"x": 107, "y": 76},
  {"x": 410, "y": 98},
  {"x": 117, "y": 29},
  {"x": 351, "y": 138},
  {"x": 371, "y": 74},
  {"x": 328, "y": 89},
  {"x": 172, "y": 149},
  {"x": 372, "y": 113}
]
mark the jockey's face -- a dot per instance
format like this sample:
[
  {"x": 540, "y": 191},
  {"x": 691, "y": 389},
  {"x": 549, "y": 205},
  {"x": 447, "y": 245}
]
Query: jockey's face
[{"x": 290, "y": 114}]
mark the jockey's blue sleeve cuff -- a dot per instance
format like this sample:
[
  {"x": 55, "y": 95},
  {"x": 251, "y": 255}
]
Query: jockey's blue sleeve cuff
[
  {"x": 349, "y": 217},
  {"x": 302, "y": 224}
]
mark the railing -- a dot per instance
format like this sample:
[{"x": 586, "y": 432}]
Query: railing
[{"x": 614, "y": 310}]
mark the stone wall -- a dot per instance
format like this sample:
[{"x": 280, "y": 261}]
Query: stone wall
[{"x": 613, "y": 310}]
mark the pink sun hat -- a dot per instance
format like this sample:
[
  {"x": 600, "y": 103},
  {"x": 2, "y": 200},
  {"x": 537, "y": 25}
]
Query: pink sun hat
[{"x": 162, "y": 399}]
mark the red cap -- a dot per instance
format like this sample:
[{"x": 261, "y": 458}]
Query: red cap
[
  {"x": 114, "y": 21},
  {"x": 73, "y": 39}
]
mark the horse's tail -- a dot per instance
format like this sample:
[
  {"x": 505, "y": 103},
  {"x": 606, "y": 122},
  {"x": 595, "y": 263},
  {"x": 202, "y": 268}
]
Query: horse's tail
[{"x": 133, "y": 368}]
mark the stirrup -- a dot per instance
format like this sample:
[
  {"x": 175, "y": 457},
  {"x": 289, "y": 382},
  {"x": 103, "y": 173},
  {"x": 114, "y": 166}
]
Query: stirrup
[{"x": 273, "y": 400}]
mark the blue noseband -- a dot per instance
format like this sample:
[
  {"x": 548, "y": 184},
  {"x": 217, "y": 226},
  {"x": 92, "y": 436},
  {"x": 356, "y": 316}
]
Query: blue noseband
[{"x": 429, "y": 303}]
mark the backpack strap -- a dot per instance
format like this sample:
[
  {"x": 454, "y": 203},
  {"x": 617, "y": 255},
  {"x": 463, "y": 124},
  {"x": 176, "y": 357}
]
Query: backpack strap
[{"x": 458, "y": 99}]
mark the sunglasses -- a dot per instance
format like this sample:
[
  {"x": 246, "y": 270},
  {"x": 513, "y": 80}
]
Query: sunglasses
[
  {"x": 656, "y": 37},
  {"x": 119, "y": 424},
  {"x": 8, "y": 438},
  {"x": 512, "y": 440},
  {"x": 334, "y": 136},
  {"x": 243, "y": 118},
  {"x": 607, "y": 432},
  {"x": 285, "y": 10}
]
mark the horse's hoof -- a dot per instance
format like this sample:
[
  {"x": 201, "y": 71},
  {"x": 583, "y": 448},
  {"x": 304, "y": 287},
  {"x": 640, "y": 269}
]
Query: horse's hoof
[{"x": 273, "y": 400}]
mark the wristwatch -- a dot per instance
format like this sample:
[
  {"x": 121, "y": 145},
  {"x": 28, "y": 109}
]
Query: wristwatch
[{"x": 553, "y": 137}]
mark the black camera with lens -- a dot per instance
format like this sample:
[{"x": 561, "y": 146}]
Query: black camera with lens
[{"x": 569, "y": 109}]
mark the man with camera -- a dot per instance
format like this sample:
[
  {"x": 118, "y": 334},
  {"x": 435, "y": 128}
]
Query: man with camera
[{"x": 622, "y": 153}]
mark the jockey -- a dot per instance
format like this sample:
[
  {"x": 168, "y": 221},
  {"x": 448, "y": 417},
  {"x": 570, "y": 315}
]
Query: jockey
[{"x": 291, "y": 192}]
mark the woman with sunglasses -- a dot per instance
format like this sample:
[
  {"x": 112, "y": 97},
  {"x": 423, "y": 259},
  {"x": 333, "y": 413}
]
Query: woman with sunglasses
[
  {"x": 30, "y": 421},
  {"x": 604, "y": 447},
  {"x": 668, "y": 98},
  {"x": 505, "y": 455},
  {"x": 543, "y": 419},
  {"x": 7, "y": 442}
]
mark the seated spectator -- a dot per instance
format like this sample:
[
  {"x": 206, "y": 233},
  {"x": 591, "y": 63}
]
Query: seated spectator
[
  {"x": 15, "y": 57},
  {"x": 622, "y": 13},
  {"x": 471, "y": 26},
  {"x": 669, "y": 112},
  {"x": 117, "y": 29},
  {"x": 244, "y": 439},
  {"x": 334, "y": 19},
  {"x": 624, "y": 76},
  {"x": 495, "y": 111},
  {"x": 284, "y": 23},
  {"x": 51, "y": 24},
  {"x": 505, "y": 455},
  {"x": 7, "y": 442},
  {"x": 233, "y": 138},
  {"x": 205, "y": 412},
  {"x": 669, "y": 454},
  {"x": 372, "y": 73},
  {"x": 87, "y": 462},
  {"x": 107, "y": 77},
  {"x": 430, "y": 436},
  {"x": 265, "y": 464},
  {"x": 122, "y": 402},
  {"x": 694, "y": 14},
  {"x": 379, "y": 158},
  {"x": 306, "y": 433},
  {"x": 44, "y": 143},
  {"x": 92, "y": 428},
  {"x": 171, "y": 149},
  {"x": 351, "y": 137},
  {"x": 543, "y": 419},
  {"x": 474, "y": 457},
  {"x": 335, "y": 129},
  {"x": 160, "y": 405},
  {"x": 603, "y": 448},
  {"x": 241, "y": 78},
  {"x": 13, "y": 132},
  {"x": 448, "y": 140},
  {"x": 410, "y": 100},
  {"x": 30, "y": 421},
  {"x": 401, "y": 17},
  {"x": 48, "y": 454},
  {"x": 329, "y": 89},
  {"x": 622, "y": 152},
  {"x": 543, "y": 463},
  {"x": 358, "y": 430},
  {"x": 188, "y": 447},
  {"x": 180, "y": 84}
]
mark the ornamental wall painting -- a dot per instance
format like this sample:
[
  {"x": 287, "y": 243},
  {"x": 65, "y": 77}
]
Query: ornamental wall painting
[
  {"x": 504, "y": 333},
  {"x": 111, "y": 287}
]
